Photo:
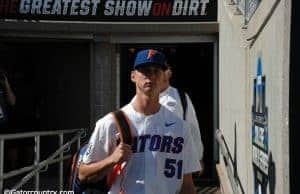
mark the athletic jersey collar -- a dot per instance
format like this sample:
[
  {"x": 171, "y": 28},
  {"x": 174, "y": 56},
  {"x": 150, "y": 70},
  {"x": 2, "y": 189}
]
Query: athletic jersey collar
[
  {"x": 165, "y": 92},
  {"x": 140, "y": 116}
]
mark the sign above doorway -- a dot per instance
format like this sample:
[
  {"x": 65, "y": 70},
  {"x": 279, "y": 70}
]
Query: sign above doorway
[{"x": 110, "y": 10}]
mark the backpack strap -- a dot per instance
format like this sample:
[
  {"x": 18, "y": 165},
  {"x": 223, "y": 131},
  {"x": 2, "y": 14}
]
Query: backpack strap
[
  {"x": 122, "y": 124},
  {"x": 183, "y": 102}
]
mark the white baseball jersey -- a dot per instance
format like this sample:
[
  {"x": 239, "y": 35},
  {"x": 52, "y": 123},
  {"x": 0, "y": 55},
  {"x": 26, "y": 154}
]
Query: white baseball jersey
[
  {"x": 171, "y": 100},
  {"x": 162, "y": 151}
]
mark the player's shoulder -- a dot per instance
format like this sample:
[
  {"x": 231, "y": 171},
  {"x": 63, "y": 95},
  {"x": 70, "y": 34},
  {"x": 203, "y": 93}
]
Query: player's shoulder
[
  {"x": 108, "y": 118},
  {"x": 106, "y": 124},
  {"x": 127, "y": 108},
  {"x": 172, "y": 91},
  {"x": 176, "y": 93},
  {"x": 171, "y": 116}
]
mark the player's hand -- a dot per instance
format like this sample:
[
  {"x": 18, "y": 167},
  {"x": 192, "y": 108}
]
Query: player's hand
[
  {"x": 121, "y": 153},
  {"x": 201, "y": 172}
]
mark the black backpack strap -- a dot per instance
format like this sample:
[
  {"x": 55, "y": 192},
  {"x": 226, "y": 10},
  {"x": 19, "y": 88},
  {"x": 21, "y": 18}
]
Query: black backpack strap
[
  {"x": 122, "y": 123},
  {"x": 183, "y": 102}
]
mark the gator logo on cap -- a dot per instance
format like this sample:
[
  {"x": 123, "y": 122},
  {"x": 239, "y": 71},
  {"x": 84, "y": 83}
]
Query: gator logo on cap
[{"x": 151, "y": 53}]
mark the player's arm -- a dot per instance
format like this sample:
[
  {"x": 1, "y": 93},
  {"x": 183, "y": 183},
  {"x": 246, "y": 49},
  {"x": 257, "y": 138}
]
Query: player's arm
[
  {"x": 188, "y": 186},
  {"x": 96, "y": 170},
  {"x": 190, "y": 163},
  {"x": 196, "y": 134}
]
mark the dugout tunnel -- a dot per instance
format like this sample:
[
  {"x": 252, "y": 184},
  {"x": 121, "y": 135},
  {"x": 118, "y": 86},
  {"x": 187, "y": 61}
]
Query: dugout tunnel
[{"x": 54, "y": 82}]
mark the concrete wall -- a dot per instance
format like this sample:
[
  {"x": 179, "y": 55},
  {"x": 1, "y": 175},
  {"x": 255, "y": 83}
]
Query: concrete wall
[
  {"x": 237, "y": 70},
  {"x": 104, "y": 77}
]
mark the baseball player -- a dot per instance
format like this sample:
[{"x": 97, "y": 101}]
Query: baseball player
[
  {"x": 160, "y": 159},
  {"x": 169, "y": 97}
]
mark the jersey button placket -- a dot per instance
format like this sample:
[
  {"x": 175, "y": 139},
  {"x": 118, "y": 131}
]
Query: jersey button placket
[{"x": 146, "y": 166}]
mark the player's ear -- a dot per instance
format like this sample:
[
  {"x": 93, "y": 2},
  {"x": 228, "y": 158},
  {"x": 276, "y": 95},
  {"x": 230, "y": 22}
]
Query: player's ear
[
  {"x": 168, "y": 73},
  {"x": 132, "y": 76}
]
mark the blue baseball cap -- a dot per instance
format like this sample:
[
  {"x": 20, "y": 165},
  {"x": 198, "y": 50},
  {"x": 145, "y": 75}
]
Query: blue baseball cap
[{"x": 149, "y": 57}]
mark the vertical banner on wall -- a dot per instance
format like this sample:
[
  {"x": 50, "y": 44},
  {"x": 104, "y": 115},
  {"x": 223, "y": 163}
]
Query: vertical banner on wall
[{"x": 260, "y": 133}]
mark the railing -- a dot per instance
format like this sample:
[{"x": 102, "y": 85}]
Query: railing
[
  {"x": 230, "y": 164},
  {"x": 37, "y": 166},
  {"x": 246, "y": 7},
  {"x": 251, "y": 7}
]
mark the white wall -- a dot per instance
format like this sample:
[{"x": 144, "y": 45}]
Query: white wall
[{"x": 237, "y": 69}]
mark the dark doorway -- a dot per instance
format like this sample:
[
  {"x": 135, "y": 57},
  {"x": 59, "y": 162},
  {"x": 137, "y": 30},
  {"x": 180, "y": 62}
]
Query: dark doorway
[
  {"x": 50, "y": 79},
  {"x": 193, "y": 66},
  {"x": 51, "y": 83}
]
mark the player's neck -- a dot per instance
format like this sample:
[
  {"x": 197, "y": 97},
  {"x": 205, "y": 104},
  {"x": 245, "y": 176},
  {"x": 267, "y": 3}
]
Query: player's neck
[
  {"x": 146, "y": 105},
  {"x": 165, "y": 87}
]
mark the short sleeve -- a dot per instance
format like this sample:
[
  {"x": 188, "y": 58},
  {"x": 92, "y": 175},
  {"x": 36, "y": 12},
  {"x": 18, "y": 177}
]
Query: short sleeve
[
  {"x": 191, "y": 161},
  {"x": 101, "y": 142},
  {"x": 195, "y": 129}
]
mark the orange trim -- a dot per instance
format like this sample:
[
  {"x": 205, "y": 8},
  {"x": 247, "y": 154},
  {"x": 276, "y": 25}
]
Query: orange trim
[
  {"x": 111, "y": 178},
  {"x": 117, "y": 170}
]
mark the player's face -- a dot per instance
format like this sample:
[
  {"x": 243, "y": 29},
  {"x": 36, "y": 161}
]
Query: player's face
[{"x": 148, "y": 79}]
